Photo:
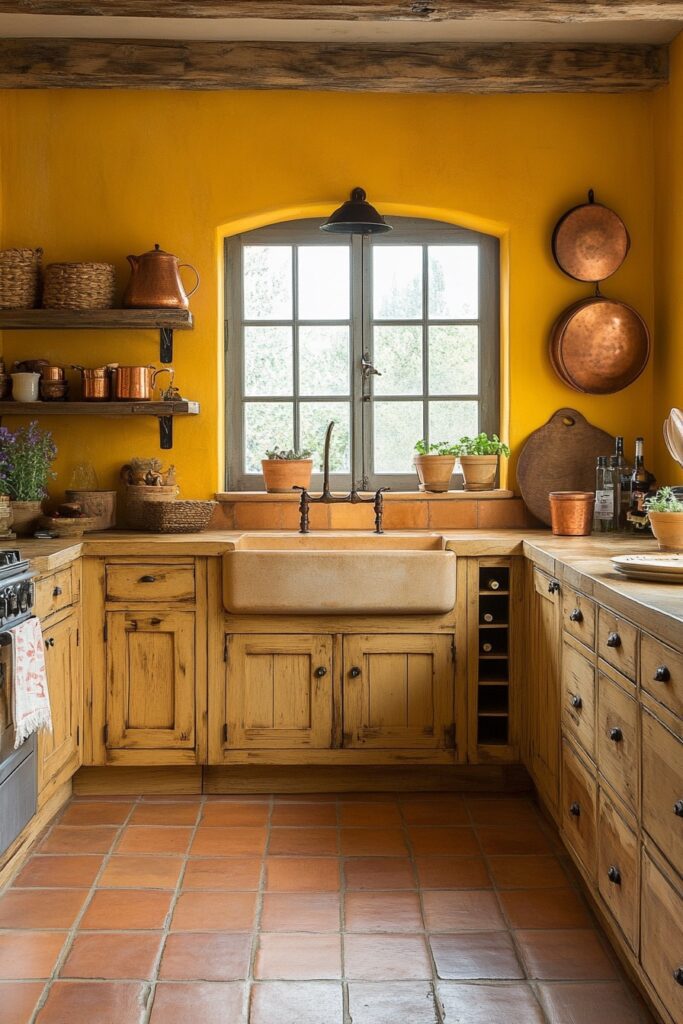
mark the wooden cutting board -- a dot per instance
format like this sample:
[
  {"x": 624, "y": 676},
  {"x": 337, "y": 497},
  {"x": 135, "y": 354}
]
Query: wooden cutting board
[{"x": 560, "y": 456}]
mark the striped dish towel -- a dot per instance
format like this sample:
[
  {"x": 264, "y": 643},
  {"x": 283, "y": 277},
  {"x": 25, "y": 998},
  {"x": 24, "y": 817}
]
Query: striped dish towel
[{"x": 29, "y": 683}]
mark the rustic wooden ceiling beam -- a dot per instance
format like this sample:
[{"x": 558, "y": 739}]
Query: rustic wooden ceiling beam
[
  {"x": 439, "y": 68},
  {"x": 363, "y": 10}
]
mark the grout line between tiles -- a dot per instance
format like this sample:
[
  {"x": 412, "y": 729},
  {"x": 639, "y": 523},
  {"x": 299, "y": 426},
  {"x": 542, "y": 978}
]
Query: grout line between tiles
[{"x": 258, "y": 915}]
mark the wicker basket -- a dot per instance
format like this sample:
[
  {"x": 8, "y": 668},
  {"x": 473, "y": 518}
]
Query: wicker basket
[
  {"x": 177, "y": 516},
  {"x": 138, "y": 496},
  {"x": 79, "y": 286},
  {"x": 19, "y": 278},
  {"x": 68, "y": 527}
]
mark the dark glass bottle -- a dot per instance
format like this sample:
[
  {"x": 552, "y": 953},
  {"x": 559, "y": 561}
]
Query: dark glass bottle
[
  {"x": 642, "y": 481},
  {"x": 624, "y": 474}
]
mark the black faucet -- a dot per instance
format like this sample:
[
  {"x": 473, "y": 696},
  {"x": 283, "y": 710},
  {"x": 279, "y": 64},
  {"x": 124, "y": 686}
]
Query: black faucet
[{"x": 327, "y": 498}]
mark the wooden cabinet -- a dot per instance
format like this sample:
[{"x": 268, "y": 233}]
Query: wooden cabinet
[
  {"x": 617, "y": 739},
  {"x": 578, "y": 617},
  {"x": 578, "y": 698},
  {"x": 544, "y": 685},
  {"x": 59, "y": 752},
  {"x": 579, "y": 809},
  {"x": 398, "y": 692},
  {"x": 618, "y": 642},
  {"x": 619, "y": 869},
  {"x": 663, "y": 788},
  {"x": 57, "y": 591},
  {"x": 661, "y": 939},
  {"x": 661, "y": 673},
  {"x": 150, "y": 581}
]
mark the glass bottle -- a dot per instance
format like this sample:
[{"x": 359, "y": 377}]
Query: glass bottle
[
  {"x": 642, "y": 482},
  {"x": 603, "y": 520},
  {"x": 624, "y": 471}
]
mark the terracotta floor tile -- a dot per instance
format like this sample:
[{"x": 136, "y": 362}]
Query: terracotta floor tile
[
  {"x": 71, "y": 872},
  {"x": 232, "y": 873},
  {"x": 382, "y": 912},
  {"x": 214, "y": 911},
  {"x": 211, "y": 1002},
  {"x": 184, "y": 813},
  {"x": 538, "y": 871},
  {"x": 126, "y": 909},
  {"x": 500, "y": 839},
  {"x": 96, "y": 812},
  {"x": 40, "y": 908},
  {"x": 310, "y": 814},
  {"x": 489, "y": 1004},
  {"x": 590, "y": 1003},
  {"x": 293, "y": 956},
  {"x": 26, "y": 955},
  {"x": 131, "y": 955},
  {"x": 217, "y": 841},
  {"x": 289, "y": 1002},
  {"x": 444, "y": 809},
  {"x": 141, "y": 872},
  {"x": 78, "y": 1002},
  {"x": 373, "y": 842},
  {"x": 302, "y": 798},
  {"x": 575, "y": 954},
  {"x": 18, "y": 1000},
  {"x": 369, "y": 815},
  {"x": 455, "y": 841},
  {"x": 386, "y": 957},
  {"x": 379, "y": 873},
  {"x": 487, "y": 955},
  {"x": 300, "y": 912},
  {"x": 545, "y": 908},
  {"x": 308, "y": 841},
  {"x": 205, "y": 956},
  {"x": 302, "y": 874},
  {"x": 467, "y": 910},
  {"x": 400, "y": 1002},
  {"x": 79, "y": 839},
  {"x": 502, "y": 810},
  {"x": 452, "y": 873},
  {"x": 226, "y": 812},
  {"x": 155, "y": 839}
]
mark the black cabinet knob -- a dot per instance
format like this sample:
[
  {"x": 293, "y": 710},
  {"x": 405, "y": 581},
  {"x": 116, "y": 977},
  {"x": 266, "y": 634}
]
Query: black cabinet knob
[
  {"x": 678, "y": 975},
  {"x": 576, "y": 615},
  {"x": 354, "y": 673},
  {"x": 614, "y": 875},
  {"x": 662, "y": 674},
  {"x": 553, "y": 587},
  {"x": 320, "y": 672},
  {"x": 50, "y": 641},
  {"x": 616, "y": 735},
  {"x": 613, "y": 640},
  {"x": 575, "y": 809},
  {"x": 576, "y": 701},
  {"x": 57, "y": 592},
  {"x": 678, "y": 808},
  {"x": 147, "y": 579}
]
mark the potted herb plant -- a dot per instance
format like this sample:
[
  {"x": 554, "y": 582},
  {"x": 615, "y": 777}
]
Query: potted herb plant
[
  {"x": 283, "y": 470},
  {"x": 434, "y": 465},
  {"x": 26, "y": 457},
  {"x": 479, "y": 460},
  {"x": 665, "y": 513}
]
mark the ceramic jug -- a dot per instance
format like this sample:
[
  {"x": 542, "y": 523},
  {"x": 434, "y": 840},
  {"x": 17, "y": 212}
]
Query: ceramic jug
[{"x": 155, "y": 281}]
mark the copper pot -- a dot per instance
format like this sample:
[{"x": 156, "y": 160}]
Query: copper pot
[
  {"x": 52, "y": 372},
  {"x": 571, "y": 513},
  {"x": 155, "y": 281},
  {"x": 135, "y": 383},
  {"x": 95, "y": 383}
]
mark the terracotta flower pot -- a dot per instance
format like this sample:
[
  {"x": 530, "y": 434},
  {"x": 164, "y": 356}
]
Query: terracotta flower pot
[
  {"x": 5, "y": 516},
  {"x": 479, "y": 472},
  {"x": 668, "y": 529},
  {"x": 26, "y": 517},
  {"x": 281, "y": 475},
  {"x": 434, "y": 471}
]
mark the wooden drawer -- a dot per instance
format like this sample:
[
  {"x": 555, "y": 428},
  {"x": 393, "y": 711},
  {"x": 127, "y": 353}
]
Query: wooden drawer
[
  {"x": 618, "y": 869},
  {"x": 578, "y": 617},
  {"x": 150, "y": 582},
  {"x": 663, "y": 788},
  {"x": 618, "y": 642},
  {"x": 55, "y": 592},
  {"x": 661, "y": 936},
  {"x": 579, "y": 808},
  {"x": 661, "y": 673},
  {"x": 578, "y": 699},
  {"x": 617, "y": 739}
]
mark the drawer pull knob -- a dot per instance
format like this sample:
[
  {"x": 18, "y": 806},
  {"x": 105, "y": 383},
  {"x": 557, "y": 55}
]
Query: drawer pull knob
[
  {"x": 575, "y": 809},
  {"x": 320, "y": 672},
  {"x": 678, "y": 975},
  {"x": 553, "y": 587},
  {"x": 57, "y": 592},
  {"x": 576, "y": 615},
  {"x": 614, "y": 875},
  {"x": 662, "y": 674},
  {"x": 616, "y": 735},
  {"x": 678, "y": 808},
  {"x": 147, "y": 579},
  {"x": 614, "y": 640},
  {"x": 50, "y": 641},
  {"x": 354, "y": 673},
  {"x": 576, "y": 701}
]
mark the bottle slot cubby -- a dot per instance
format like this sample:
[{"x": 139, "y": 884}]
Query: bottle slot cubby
[
  {"x": 492, "y": 610},
  {"x": 493, "y": 643},
  {"x": 492, "y": 731},
  {"x": 493, "y": 666},
  {"x": 493, "y": 670},
  {"x": 493, "y": 700},
  {"x": 494, "y": 580}
]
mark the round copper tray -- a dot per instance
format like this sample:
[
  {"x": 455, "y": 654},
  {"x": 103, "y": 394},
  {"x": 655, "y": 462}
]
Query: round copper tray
[
  {"x": 590, "y": 242},
  {"x": 599, "y": 345}
]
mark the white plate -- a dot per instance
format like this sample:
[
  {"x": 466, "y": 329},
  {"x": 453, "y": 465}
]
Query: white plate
[
  {"x": 650, "y": 577},
  {"x": 670, "y": 563}
]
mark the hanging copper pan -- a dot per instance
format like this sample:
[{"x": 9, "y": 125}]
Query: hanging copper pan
[
  {"x": 599, "y": 345},
  {"x": 590, "y": 242}
]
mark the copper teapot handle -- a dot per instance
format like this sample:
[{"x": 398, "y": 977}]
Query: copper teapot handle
[
  {"x": 163, "y": 369},
  {"x": 195, "y": 272}
]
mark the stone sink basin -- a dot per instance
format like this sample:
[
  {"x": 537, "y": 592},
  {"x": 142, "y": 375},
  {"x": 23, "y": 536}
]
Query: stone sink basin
[{"x": 390, "y": 574}]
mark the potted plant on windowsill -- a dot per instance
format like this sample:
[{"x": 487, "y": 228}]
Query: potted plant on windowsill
[
  {"x": 665, "y": 513},
  {"x": 26, "y": 457},
  {"x": 434, "y": 465},
  {"x": 284, "y": 470},
  {"x": 479, "y": 460}
]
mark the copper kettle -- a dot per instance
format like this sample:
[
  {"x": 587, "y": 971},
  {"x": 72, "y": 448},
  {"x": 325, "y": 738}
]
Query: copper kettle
[{"x": 155, "y": 281}]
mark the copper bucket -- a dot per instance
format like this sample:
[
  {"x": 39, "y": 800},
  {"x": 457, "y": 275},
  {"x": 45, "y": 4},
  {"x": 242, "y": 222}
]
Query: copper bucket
[{"x": 571, "y": 513}]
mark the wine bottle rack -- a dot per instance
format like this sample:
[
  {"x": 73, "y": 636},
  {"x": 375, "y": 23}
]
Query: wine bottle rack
[{"x": 492, "y": 631}]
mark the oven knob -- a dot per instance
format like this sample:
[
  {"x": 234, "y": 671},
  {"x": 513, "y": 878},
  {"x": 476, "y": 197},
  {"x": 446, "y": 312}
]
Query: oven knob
[
  {"x": 13, "y": 603},
  {"x": 23, "y": 599}
]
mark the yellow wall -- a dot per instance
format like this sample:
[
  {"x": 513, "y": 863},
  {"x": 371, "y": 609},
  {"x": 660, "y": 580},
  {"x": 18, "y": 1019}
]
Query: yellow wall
[
  {"x": 96, "y": 175},
  {"x": 668, "y": 122}
]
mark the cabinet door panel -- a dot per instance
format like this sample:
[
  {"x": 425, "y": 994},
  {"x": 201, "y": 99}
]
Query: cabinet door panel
[
  {"x": 278, "y": 692},
  {"x": 398, "y": 691},
  {"x": 59, "y": 751},
  {"x": 544, "y": 697}
]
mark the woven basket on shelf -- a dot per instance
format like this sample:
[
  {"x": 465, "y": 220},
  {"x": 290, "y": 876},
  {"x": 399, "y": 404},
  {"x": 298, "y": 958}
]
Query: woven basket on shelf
[
  {"x": 19, "y": 278},
  {"x": 78, "y": 286},
  {"x": 177, "y": 516},
  {"x": 138, "y": 496}
]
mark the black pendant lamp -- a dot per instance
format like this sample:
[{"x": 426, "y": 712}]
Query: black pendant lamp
[{"x": 356, "y": 217}]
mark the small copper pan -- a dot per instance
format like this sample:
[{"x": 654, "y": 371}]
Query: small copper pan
[
  {"x": 590, "y": 242},
  {"x": 599, "y": 345}
]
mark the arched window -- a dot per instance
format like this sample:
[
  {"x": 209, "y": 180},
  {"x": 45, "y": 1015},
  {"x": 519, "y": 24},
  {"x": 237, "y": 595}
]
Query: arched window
[{"x": 310, "y": 317}]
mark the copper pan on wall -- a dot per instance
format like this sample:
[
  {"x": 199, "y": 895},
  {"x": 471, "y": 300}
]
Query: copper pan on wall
[
  {"x": 599, "y": 345},
  {"x": 590, "y": 242}
]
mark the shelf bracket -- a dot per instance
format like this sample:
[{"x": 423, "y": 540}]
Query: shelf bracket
[
  {"x": 165, "y": 432},
  {"x": 166, "y": 345}
]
